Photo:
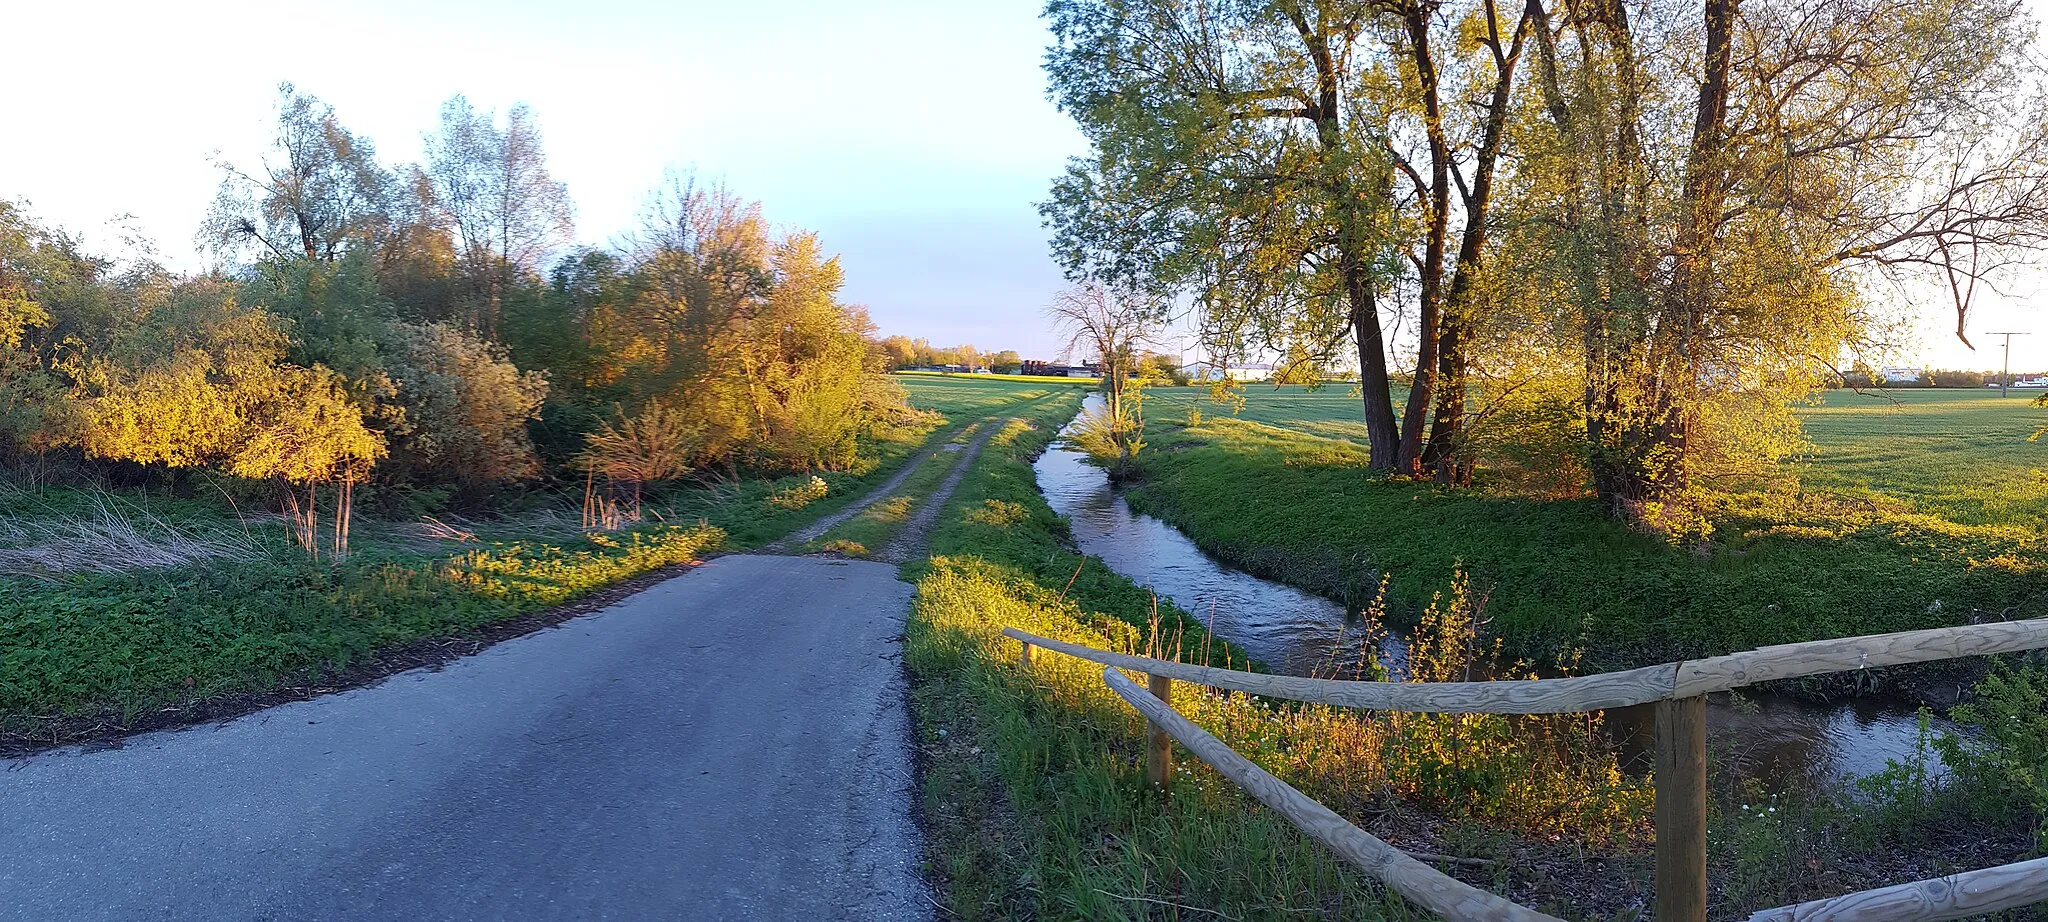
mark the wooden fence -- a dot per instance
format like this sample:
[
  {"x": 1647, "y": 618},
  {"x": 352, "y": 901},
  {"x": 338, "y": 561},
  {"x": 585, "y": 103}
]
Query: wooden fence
[{"x": 1678, "y": 691}]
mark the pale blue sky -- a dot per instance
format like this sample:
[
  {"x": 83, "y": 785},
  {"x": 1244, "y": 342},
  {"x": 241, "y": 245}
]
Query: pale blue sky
[{"x": 913, "y": 135}]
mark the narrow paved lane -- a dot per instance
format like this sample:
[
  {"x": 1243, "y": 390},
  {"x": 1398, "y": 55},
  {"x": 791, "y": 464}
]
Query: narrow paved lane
[{"x": 729, "y": 744}]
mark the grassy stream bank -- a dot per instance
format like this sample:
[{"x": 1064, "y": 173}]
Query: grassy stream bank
[{"x": 1032, "y": 781}]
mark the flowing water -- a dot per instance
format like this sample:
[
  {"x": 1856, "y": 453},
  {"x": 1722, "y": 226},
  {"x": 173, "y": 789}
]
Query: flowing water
[{"x": 1775, "y": 738}]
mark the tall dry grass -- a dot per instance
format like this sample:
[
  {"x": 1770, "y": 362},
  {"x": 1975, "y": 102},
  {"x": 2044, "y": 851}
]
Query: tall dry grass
[{"x": 106, "y": 534}]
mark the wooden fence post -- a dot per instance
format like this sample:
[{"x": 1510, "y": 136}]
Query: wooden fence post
[
  {"x": 1159, "y": 749},
  {"x": 1682, "y": 810},
  {"x": 1025, "y": 659}
]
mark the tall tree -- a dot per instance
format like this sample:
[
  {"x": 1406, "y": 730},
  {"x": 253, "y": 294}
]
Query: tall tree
[
  {"x": 319, "y": 192},
  {"x": 1716, "y": 185},
  {"x": 505, "y": 211},
  {"x": 1295, "y": 164}
]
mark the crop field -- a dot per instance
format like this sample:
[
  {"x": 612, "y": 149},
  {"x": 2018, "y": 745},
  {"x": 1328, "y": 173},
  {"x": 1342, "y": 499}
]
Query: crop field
[
  {"x": 1962, "y": 455},
  {"x": 1914, "y": 509},
  {"x": 960, "y": 397}
]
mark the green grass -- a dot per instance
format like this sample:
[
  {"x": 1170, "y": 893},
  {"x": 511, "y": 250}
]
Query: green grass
[
  {"x": 1962, "y": 455},
  {"x": 1905, "y": 531},
  {"x": 1032, "y": 796},
  {"x": 869, "y": 531},
  {"x": 77, "y": 643},
  {"x": 965, "y": 376},
  {"x": 961, "y": 397},
  {"x": 123, "y": 642}
]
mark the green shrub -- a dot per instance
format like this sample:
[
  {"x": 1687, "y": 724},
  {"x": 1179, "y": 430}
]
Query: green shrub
[{"x": 2000, "y": 761}]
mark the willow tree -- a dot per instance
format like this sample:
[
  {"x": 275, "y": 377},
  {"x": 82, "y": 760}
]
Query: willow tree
[
  {"x": 1716, "y": 187},
  {"x": 1300, "y": 168},
  {"x": 1112, "y": 325},
  {"x": 319, "y": 193}
]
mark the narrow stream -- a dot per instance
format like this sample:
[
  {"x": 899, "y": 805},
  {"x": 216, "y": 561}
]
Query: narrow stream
[{"x": 1775, "y": 738}]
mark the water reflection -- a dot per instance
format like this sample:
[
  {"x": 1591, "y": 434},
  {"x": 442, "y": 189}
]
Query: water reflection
[
  {"x": 1776, "y": 738},
  {"x": 1781, "y": 739},
  {"x": 1289, "y": 630}
]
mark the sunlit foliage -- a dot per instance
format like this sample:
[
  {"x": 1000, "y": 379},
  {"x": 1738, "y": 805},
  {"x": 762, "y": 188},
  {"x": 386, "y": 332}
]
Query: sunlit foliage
[{"x": 424, "y": 331}]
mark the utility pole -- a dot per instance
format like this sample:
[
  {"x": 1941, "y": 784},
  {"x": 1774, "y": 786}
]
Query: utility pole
[{"x": 2005, "y": 375}]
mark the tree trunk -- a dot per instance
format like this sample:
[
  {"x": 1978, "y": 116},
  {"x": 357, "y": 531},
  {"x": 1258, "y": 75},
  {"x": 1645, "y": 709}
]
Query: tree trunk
[
  {"x": 1429, "y": 309},
  {"x": 1382, "y": 438},
  {"x": 1447, "y": 424},
  {"x": 1656, "y": 443}
]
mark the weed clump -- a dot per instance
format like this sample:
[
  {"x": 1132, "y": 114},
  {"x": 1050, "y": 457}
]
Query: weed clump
[
  {"x": 996, "y": 513},
  {"x": 801, "y": 495},
  {"x": 842, "y": 546}
]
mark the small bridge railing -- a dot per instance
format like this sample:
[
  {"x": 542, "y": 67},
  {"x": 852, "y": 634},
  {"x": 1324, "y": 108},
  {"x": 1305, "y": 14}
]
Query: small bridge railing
[{"x": 1678, "y": 691}]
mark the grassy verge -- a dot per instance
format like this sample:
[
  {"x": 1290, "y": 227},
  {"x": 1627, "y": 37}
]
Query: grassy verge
[
  {"x": 1560, "y": 574},
  {"x": 196, "y": 605},
  {"x": 116, "y": 643},
  {"x": 1033, "y": 795}
]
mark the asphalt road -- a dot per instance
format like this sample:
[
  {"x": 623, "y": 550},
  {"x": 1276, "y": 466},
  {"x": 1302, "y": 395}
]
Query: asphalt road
[{"x": 730, "y": 744}]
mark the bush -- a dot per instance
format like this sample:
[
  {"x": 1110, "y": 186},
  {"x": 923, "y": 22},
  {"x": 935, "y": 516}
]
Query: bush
[
  {"x": 2000, "y": 760},
  {"x": 801, "y": 495}
]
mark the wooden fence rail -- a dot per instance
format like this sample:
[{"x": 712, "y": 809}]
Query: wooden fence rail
[
  {"x": 1679, "y": 691},
  {"x": 1433, "y": 889},
  {"x": 1971, "y": 893},
  {"x": 1685, "y": 679}
]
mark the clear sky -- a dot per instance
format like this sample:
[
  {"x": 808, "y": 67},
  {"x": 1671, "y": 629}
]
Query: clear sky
[{"x": 913, "y": 135}]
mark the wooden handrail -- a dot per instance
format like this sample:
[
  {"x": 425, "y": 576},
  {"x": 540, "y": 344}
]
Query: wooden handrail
[
  {"x": 1953, "y": 897},
  {"x": 1539, "y": 696},
  {"x": 1842, "y": 654},
  {"x": 1412, "y": 879},
  {"x": 1686, "y": 679}
]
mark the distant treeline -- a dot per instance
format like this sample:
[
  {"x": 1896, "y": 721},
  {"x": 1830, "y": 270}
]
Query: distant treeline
[
  {"x": 1938, "y": 377},
  {"x": 903, "y": 352},
  {"x": 429, "y": 330}
]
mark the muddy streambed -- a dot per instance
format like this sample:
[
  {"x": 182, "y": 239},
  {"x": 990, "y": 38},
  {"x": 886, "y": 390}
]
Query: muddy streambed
[{"x": 1777, "y": 739}]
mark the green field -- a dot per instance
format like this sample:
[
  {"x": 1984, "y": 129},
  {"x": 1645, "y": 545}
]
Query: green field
[
  {"x": 1959, "y": 454},
  {"x": 1962, "y": 455},
  {"x": 1916, "y": 511},
  {"x": 1013, "y": 379},
  {"x": 965, "y": 396}
]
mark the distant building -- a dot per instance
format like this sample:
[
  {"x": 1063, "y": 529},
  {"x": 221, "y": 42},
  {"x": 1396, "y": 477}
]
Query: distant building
[
  {"x": 1901, "y": 375},
  {"x": 1051, "y": 370},
  {"x": 1211, "y": 371}
]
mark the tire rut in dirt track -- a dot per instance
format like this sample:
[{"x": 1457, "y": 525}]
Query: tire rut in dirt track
[
  {"x": 911, "y": 537},
  {"x": 811, "y": 532}
]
